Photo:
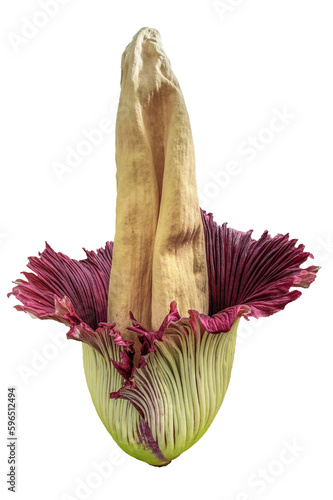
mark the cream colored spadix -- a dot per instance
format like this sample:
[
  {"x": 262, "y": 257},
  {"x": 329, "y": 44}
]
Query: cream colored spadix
[
  {"x": 159, "y": 249},
  {"x": 158, "y": 256}
]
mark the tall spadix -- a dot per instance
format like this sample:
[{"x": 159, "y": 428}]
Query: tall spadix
[{"x": 159, "y": 247}]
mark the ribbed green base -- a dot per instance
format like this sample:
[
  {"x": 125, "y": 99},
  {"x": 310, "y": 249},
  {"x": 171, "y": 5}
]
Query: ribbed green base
[{"x": 180, "y": 390}]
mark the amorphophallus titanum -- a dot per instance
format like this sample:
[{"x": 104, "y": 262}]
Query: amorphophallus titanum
[{"x": 157, "y": 311}]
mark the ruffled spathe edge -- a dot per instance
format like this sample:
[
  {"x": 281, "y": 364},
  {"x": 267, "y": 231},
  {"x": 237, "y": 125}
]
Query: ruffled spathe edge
[
  {"x": 55, "y": 276},
  {"x": 267, "y": 267},
  {"x": 250, "y": 277},
  {"x": 246, "y": 277},
  {"x": 69, "y": 291},
  {"x": 125, "y": 366}
]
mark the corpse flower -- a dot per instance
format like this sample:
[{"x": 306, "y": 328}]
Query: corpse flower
[{"x": 157, "y": 311}]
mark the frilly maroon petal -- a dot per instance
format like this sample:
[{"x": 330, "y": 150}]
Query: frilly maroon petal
[
  {"x": 146, "y": 338},
  {"x": 80, "y": 331},
  {"x": 117, "y": 338},
  {"x": 222, "y": 321},
  {"x": 246, "y": 277},
  {"x": 306, "y": 277},
  {"x": 70, "y": 292},
  {"x": 56, "y": 276},
  {"x": 125, "y": 366},
  {"x": 257, "y": 274}
]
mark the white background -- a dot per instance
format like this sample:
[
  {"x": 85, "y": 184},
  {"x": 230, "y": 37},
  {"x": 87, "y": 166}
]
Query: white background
[{"x": 235, "y": 67}]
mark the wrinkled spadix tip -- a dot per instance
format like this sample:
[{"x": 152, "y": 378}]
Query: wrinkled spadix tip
[
  {"x": 144, "y": 38},
  {"x": 147, "y": 41},
  {"x": 148, "y": 34}
]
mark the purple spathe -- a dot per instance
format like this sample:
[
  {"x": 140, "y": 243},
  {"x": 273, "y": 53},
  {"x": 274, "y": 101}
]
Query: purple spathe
[{"x": 246, "y": 277}]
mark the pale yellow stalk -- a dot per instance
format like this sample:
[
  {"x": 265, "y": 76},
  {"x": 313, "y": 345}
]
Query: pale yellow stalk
[{"x": 159, "y": 250}]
